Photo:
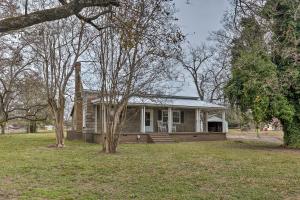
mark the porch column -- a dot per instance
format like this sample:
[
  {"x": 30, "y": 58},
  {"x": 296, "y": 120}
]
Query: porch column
[
  {"x": 143, "y": 130},
  {"x": 200, "y": 121},
  {"x": 104, "y": 125},
  {"x": 96, "y": 120},
  {"x": 197, "y": 121},
  {"x": 170, "y": 120},
  {"x": 205, "y": 122},
  {"x": 224, "y": 128}
]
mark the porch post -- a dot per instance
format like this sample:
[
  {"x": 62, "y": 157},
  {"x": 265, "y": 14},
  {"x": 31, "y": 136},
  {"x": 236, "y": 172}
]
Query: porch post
[
  {"x": 200, "y": 121},
  {"x": 205, "y": 122},
  {"x": 96, "y": 120},
  {"x": 104, "y": 125},
  {"x": 224, "y": 129},
  {"x": 170, "y": 120},
  {"x": 143, "y": 130},
  {"x": 197, "y": 121}
]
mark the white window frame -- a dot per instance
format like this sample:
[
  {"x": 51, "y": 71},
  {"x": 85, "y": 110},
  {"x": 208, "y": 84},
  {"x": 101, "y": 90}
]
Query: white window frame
[
  {"x": 179, "y": 116},
  {"x": 162, "y": 115},
  {"x": 166, "y": 115}
]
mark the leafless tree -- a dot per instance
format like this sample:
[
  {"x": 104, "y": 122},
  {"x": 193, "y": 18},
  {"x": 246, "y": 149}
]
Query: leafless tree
[
  {"x": 20, "y": 14},
  {"x": 208, "y": 69},
  {"x": 14, "y": 72},
  {"x": 58, "y": 46},
  {"x": 195, "y": 62},
  {"x": 132, "y": 58}
]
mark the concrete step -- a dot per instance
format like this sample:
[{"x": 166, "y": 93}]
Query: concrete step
[{"x": 161, "y": 138}]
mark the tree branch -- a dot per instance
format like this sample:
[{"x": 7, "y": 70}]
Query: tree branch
[{"x": 64, "y": 11}]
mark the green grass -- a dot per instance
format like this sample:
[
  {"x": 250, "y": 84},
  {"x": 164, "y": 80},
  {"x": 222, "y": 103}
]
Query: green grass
[{"x": 203, "y": 170}]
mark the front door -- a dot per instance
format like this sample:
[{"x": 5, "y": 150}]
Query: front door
[{"x": 149, "y": 120}]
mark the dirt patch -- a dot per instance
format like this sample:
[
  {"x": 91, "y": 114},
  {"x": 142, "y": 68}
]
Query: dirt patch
[{"x": 12, "y": 195}]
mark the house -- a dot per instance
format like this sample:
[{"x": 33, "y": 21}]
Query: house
[{"x": 149, "y": 119}]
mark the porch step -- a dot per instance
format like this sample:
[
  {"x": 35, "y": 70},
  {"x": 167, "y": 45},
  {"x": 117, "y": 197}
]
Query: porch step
[{"x": 161, "y": 138}]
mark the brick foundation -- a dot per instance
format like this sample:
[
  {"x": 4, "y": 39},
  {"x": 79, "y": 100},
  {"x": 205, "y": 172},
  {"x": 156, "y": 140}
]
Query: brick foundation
[
  {"x": 193, "y": 137},
  {"x": 144, "y": 138}
]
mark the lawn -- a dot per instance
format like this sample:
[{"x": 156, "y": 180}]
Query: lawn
[{"x": 203, "y": 170}]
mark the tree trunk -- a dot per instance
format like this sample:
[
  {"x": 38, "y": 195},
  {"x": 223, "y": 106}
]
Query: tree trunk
[
  {"x": 110, "y": 146},
  {"x": 111, "y": 138},
  {"x": 59, "y": 128},
  {"x": 32, "y": 128},
  {"x": 2, "y": 129}
]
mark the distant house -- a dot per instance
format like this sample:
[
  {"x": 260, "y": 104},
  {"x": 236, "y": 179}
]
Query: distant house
[
  {"x": 149, "y": 119},
  {"x": 49, "y": 127}
]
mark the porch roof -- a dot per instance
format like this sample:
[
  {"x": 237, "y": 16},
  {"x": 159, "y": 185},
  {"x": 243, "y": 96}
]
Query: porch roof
[{"x": 173, "y": 101}]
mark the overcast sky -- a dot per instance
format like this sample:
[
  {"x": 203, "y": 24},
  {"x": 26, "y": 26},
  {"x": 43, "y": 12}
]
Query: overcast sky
[{"x": 197, "y": 20}]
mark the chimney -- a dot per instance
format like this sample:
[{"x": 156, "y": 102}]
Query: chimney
[{"x": 78, "y": 99}]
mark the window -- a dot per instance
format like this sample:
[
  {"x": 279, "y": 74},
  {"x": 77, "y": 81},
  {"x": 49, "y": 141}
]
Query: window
[
  {"x": 176, "y": 117},
  {"x": 165, "y": 116}
]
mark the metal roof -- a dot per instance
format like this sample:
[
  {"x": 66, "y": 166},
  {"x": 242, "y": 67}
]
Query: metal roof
[
  {"x": 173, "y": 101},
  {"x": 214, "y": 119}
]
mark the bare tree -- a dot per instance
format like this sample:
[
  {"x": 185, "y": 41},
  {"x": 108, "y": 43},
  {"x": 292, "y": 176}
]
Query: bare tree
[
  {"x": 132, "y": 58},
  {"x": 16, "y": 15},
  {"x": 14, "y": 70},
  {"x": 58, "y": 46},
  {"x": 195, "y": 62},
  {"x": 32, "y": 93},
  {"x": 209, "y": 71}
]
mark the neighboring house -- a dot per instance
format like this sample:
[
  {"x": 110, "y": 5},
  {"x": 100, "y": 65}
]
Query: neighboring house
[
  {"x": 49, "y": 127},
  {"x": 149, "y": 119}
]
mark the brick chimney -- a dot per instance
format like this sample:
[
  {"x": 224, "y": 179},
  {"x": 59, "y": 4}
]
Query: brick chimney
[{"x": 78, "y": 112}]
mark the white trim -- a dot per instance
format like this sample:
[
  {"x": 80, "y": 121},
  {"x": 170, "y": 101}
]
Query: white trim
[
  {"x": 143, "y": 129},
  {"x": 84, "y": 112},
  {"x": 104, "y": 118},
  {"x": 224, "y": 128},
  {"x": 197, "y": 120},
  {"x": 96, "y": 119},
  {"x": 170, "y": 120},
  {"x": 170, "y": 102},
  {"x": 200, "y": 121}
]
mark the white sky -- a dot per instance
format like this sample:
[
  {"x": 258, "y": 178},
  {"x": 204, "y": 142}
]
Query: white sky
[{"x": 197, "y": 20}]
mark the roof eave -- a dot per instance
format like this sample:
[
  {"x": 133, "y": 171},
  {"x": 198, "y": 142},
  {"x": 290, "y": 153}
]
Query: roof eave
[{"x": 97, "y": 101}]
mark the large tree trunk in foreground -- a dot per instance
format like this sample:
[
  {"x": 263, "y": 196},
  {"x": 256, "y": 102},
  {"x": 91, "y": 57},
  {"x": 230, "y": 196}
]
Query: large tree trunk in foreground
[
  {"x": 111, "y": 138},
  {"x": 111, "y": 143},
  {"x": 58, "y": 109}
]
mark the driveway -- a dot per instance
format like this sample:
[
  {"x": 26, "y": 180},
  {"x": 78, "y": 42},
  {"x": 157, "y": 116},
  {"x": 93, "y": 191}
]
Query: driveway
[{"x": 253, "y": 137}]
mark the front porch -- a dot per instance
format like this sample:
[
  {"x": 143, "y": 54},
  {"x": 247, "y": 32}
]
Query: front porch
[
  {"x": 145, "y": 122},
  {"x": 178, "y": 120}
]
